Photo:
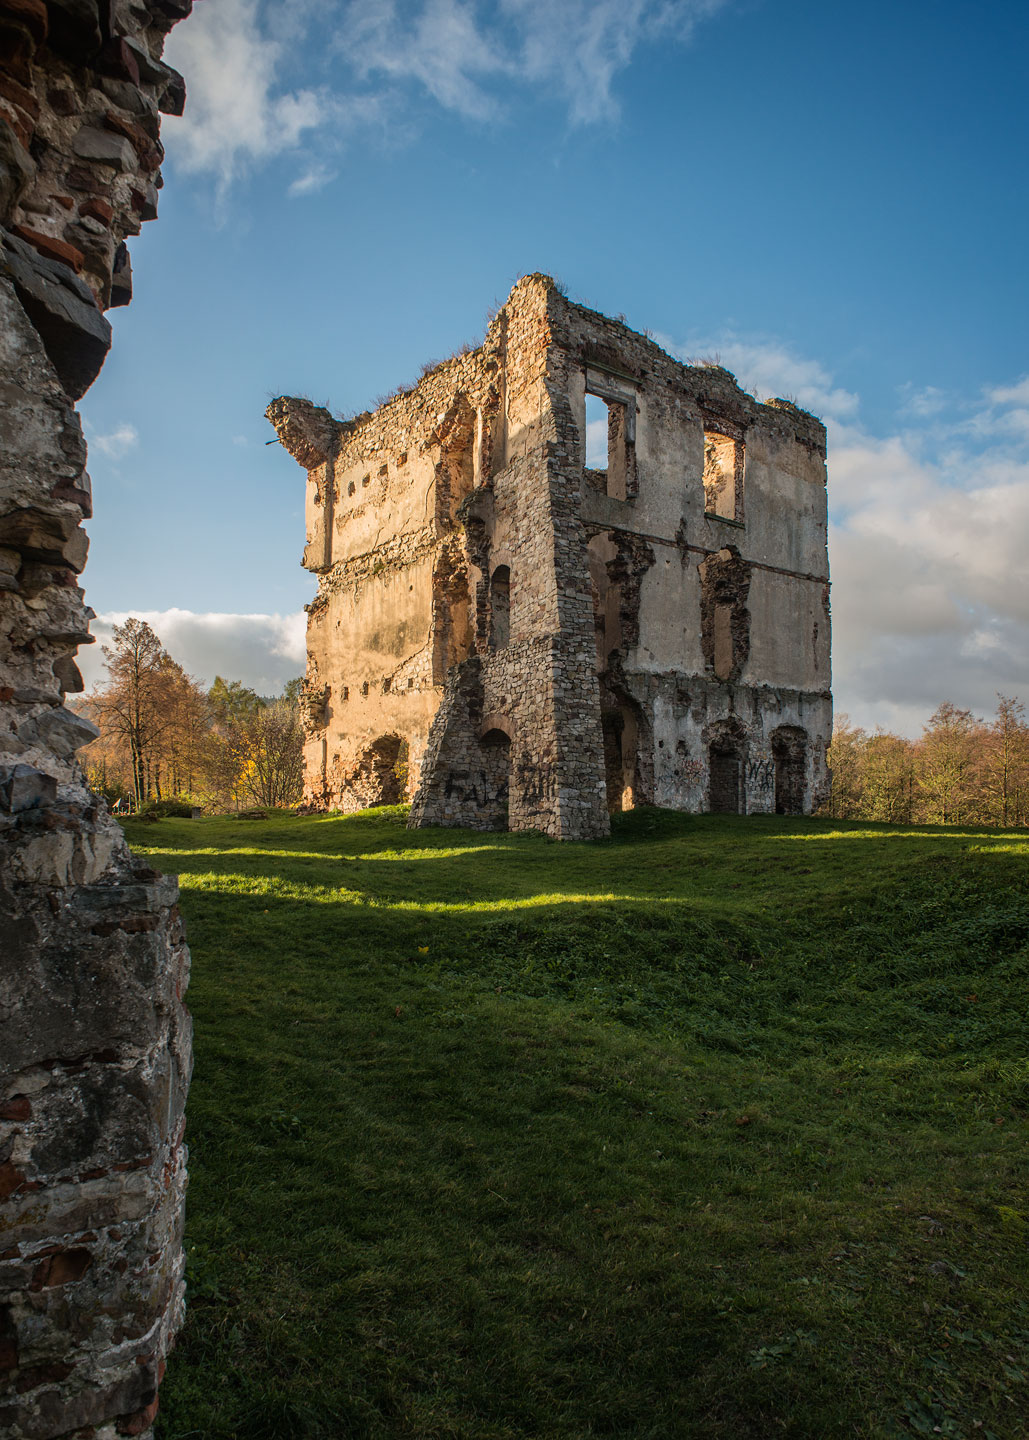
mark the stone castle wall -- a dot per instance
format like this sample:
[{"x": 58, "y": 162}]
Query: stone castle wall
[
  {"x": 95, "y": 1047},
  {"x": 578, "y": 639}
]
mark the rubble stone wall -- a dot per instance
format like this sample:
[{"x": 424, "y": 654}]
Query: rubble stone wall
[
  {"x": 573, "y": 640},
  {"x": 95, "y": 1047}
]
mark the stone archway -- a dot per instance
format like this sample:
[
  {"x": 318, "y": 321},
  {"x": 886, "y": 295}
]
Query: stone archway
[
  {"x": 381, "y": 776},
  {"x": 495, "y": 749}
]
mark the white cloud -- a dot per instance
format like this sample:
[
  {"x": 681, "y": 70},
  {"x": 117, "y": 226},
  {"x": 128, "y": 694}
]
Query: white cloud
[
  {"x": 929, "y": 537},
  {"x": 922, "y": 403},
  {"x": 236, "y": 56},
  {"x": 264, "y": 651},
  {"x": 579, "y": 46},
  {"x": 930, "y": 564},
  {"x": 117, "y": 443},
  {"x": 1017, "y": 394},
  {"x": 234, "y": 115},
  {"x": 442, "y": 47},
  {"x": 771, "y": 370},
  {"x": 316, "y": 177},
  {"x": 455, "y": 48}
]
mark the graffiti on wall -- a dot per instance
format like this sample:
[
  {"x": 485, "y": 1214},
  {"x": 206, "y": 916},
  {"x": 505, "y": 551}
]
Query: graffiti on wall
[{"x": 761, "y": 773}]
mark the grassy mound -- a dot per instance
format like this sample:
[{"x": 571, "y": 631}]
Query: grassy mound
[{"x": 715, "y": 1129}]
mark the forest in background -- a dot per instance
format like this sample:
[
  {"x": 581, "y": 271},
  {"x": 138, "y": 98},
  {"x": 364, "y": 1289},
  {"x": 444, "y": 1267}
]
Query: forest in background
[
  {"x": 164, "y": 738},
  {"x": 166, "y": 742},
  {"x": 961, "y": 771}
]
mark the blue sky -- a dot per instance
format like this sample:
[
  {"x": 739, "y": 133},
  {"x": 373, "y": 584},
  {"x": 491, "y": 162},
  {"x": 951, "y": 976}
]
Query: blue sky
[{"x": 831, "y": 199}]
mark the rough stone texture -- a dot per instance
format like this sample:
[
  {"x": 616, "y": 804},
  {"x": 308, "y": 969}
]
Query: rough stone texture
[
  {"x": 94, "y": 1037},
  {"x": 539, "y": 642}
]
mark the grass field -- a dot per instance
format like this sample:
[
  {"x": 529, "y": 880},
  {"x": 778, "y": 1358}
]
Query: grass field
[{"x": 716, "y": 1129}]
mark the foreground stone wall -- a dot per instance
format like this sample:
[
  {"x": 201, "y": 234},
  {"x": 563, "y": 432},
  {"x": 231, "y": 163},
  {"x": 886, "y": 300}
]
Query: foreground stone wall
[
  {"x": 511, "y": 633},
  {"x": 94, "y": 1037}
]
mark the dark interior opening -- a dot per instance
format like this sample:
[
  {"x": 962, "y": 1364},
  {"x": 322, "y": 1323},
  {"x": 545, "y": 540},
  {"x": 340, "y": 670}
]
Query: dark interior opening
[
  {"x": 789, "y": 751},
  {"x": 500, "y": 609},
  {"x": 725, "y": 780}
]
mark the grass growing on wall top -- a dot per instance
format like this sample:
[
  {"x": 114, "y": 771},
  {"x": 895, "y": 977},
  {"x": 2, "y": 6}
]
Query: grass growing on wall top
[{"x": 714, "y": 1129}]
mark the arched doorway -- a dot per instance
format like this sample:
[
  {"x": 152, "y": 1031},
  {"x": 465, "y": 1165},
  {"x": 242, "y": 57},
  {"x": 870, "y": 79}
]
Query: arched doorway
[
  {"x": 726, "y": 742},
  {"x": 382, "y": 777},
  {"x": 789, "y": 752},
  {"x": 621, "y": 758},
  {"x": 496, "y": 771},
  {"x": 725, "y": 778}
]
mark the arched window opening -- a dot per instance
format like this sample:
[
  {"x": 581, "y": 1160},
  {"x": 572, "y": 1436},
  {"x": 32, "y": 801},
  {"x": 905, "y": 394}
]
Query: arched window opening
[
  {"x": 500, "y": 608},
  {"x": 789, "y": 752}
]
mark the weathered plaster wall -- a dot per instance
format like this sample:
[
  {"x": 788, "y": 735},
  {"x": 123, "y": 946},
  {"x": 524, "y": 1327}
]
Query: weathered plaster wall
[
  {"x": 95, "y": 1052},
  {"x": 598, "y": 638}
]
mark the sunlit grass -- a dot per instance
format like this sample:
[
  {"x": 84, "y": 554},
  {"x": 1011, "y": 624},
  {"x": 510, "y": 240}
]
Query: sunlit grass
[{"x": 696, "y": 1132}]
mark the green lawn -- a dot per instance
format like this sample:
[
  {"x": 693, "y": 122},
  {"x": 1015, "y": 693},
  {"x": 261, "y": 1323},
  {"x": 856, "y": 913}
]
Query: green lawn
[{"x": 715, "y": 1129}]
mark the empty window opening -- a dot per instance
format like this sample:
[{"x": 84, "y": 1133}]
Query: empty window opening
[
  {"x": 723, "y": 476},
  {"x": 610, "y": 449},
  {"x": 724, "y": 761},
  {"x": 596, "y": 433},
  {"x": 500, "y": 608},
  {"x": 789, "y": 751}
]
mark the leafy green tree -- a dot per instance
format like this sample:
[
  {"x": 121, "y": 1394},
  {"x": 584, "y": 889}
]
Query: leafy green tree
[
  {"x": 846, "y": 765},
  {"x": 888, "y": 782},
  {"x": 947, "y": 765}
]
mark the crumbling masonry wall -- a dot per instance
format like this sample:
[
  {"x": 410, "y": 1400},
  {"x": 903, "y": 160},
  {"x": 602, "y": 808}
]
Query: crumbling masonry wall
[
  {"x": 546, "y": 641},
  {"x": 95, "y": 1051}
]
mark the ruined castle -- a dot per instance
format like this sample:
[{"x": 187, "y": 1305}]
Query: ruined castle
[{"x": 512, "y": 631}]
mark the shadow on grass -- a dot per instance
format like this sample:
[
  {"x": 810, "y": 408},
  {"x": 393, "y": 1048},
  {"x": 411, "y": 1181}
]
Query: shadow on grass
[{"x": 694, "y": 1132}]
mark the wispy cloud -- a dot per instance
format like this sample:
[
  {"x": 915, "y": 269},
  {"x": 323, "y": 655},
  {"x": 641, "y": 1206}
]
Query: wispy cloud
[
  {"x": 468, "y": 56},
  {"x": 314, "y": 178},
  {"x": 116, "y": 443},
  {"x": 240, "y": 112},
  {"x": 770, "y": 369},
  {"x": 463, "y": 52},
  {"x": 264, "y": 651}
]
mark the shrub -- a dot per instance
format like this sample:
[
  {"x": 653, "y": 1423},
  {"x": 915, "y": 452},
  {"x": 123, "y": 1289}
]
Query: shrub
[{"x": 175, "y": 808}]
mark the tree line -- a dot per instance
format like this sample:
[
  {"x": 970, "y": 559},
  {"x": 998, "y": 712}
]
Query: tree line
[
  {"x": 960, "y": 771},
  {"x": 163, "y": 737}
]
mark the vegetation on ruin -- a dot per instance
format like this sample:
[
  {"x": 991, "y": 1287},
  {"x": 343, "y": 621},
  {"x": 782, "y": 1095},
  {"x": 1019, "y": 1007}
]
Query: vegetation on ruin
[{"x": 713, "y": 1129}]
